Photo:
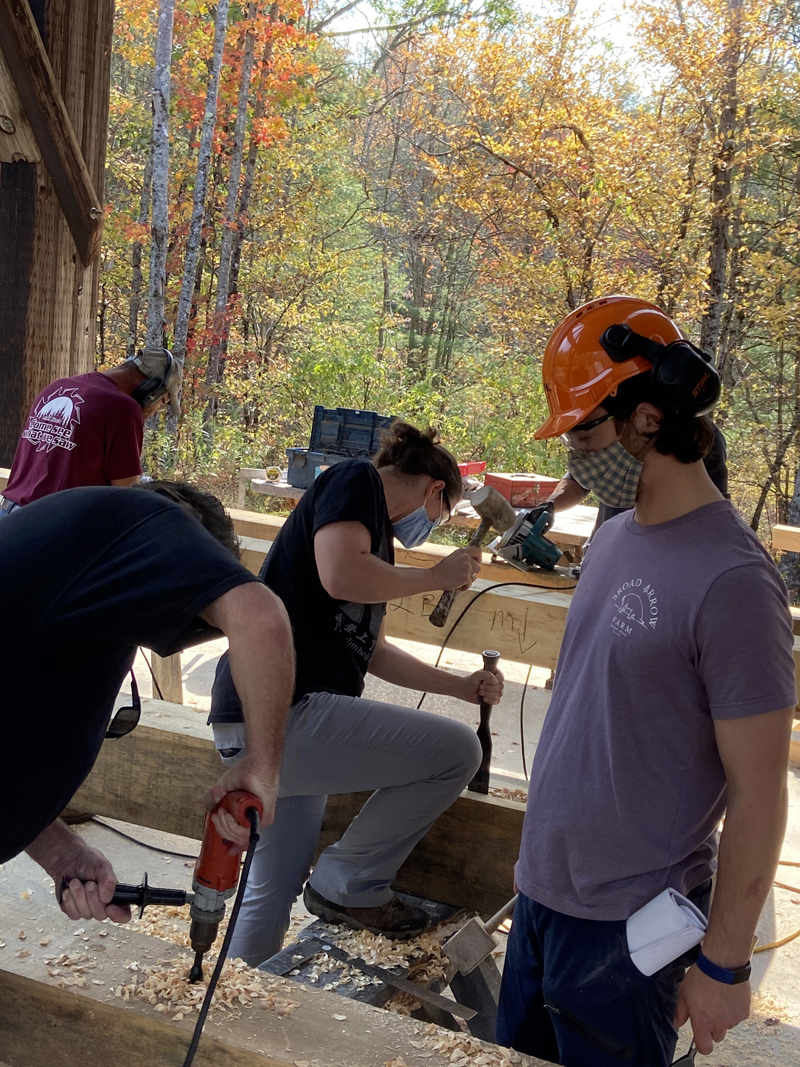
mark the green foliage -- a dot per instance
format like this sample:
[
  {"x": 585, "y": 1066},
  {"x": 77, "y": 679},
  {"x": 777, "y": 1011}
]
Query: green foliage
[{"x": 423, "y": 214}]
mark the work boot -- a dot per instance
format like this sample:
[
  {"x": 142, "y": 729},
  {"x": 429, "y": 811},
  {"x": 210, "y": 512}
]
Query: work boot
[{"x": 396, "y": 919}]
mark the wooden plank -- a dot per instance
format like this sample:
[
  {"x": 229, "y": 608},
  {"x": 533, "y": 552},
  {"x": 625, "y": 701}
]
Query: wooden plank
[
  {"x": 794, "y": 744},
  {"x": 49, "y": 119},
  {"x": 5, "y": 474},
  {"x": 44, "y": 1026},
  {"x": 255, "y": 535},
  {"x": 525, "y": 625},
  {"x": 786, "y": 538},
  {"x": 17, "y": 143},
  {"x": 154, "y": 777},
  {"x": 168, "y": 675}
]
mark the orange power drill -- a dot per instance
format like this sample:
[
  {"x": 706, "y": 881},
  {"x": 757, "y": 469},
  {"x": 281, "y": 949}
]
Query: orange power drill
[{"x": 216, "y": 875}]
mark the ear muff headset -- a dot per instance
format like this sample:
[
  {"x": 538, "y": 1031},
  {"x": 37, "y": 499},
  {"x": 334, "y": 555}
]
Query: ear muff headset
[
  {"x": 684, "y": 378},
  {"x": 153, "y": 389}
]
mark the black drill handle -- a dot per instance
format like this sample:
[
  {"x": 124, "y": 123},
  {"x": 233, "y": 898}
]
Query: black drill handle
[
  {"x": 480, "y": 783},
  {"x": 439, "y": 615},
  {"x": 140, "y": 896}
]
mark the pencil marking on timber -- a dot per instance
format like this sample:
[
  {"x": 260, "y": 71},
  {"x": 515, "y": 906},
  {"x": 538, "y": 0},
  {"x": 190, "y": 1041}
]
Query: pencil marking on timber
[{"x": 518, "y": 627}]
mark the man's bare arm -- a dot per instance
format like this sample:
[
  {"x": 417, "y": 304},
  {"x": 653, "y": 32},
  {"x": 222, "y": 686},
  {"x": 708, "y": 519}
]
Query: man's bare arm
[
  {"x": 567, "y": 494},
  {"x": 261, "y": 654},
  {"x": 755, "y": 754}
]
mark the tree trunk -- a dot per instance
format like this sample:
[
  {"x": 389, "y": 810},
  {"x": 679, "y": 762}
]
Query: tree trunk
[
  {"x": 200, "y": 187},
  {"x": 259, "y": 111},
  {"x": 220, "y": 323},
  {"x": 721, "y": 186},
  {"x": 159, "y": 228},
  {"x": 136, "y": 257}
]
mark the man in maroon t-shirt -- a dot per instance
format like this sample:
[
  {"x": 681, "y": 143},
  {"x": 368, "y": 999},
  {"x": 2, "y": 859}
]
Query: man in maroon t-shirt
[{"x": 87, "y": 429}]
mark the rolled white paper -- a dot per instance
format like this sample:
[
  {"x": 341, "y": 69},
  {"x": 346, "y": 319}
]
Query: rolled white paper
[{"x": 664, "y": 929}]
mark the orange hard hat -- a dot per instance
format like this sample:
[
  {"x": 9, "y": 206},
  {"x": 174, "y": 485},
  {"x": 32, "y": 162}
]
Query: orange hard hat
[{"x": 578, "y": 373}]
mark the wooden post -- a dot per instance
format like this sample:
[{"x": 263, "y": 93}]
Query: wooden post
[
  {"x": 168, "y": 677},
  {"x": 47, "y": 315},
  {"x": 50, "y": 122}
]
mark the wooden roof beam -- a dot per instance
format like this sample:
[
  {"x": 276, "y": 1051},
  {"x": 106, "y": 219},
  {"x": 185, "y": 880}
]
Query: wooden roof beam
[{"x": 49, "y": 119}]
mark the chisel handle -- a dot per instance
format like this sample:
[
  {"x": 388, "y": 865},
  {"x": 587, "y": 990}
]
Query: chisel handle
[{"x": 480, "y": 783}]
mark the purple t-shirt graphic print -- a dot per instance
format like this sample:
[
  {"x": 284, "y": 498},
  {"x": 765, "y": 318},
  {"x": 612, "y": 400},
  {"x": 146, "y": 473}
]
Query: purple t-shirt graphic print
[{"x": 671, "y": 627}]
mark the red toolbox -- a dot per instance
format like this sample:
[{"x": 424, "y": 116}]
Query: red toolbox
[
  {"x": 476, "y": 466},
  {"x": 522, "y": 490}
]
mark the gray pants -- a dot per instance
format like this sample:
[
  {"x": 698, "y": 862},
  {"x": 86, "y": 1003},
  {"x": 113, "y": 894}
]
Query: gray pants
[{"x": 415, "y": 762}]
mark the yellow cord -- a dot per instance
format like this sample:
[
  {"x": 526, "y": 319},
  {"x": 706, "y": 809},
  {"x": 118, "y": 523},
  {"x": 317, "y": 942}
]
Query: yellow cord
[{"x": 792, "y": 889}]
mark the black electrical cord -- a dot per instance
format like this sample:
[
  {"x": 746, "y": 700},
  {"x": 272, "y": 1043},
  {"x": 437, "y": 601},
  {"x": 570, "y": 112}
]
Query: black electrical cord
[
  {"x": 152, "y": 675},
  {"x": 252, "y": 815},
  {"x": 141, "y": 844},
  {"x": 522, "y": 724}
]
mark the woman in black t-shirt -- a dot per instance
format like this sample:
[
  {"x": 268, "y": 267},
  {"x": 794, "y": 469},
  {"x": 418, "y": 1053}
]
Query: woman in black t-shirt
[{"x": 333, "y": 567}]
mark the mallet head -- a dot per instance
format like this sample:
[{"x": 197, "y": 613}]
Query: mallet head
[{"x": 490, "y": 505}]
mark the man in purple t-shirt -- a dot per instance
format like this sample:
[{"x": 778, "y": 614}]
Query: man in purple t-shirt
[
  {"x": 672, "y": 707},
  {"x": 87, "y": 429}
]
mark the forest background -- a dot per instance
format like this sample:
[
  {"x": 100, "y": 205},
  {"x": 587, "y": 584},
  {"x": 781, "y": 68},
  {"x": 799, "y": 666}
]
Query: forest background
[{"x": 396, "y": 220}]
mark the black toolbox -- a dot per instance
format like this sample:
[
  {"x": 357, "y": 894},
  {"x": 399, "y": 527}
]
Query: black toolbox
[{"x": 336, "y": 434}]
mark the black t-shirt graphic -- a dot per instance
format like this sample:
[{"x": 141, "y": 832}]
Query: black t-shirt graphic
[
  {"x": 88, "y": 575},
  {"x": 334, "y": 640}
]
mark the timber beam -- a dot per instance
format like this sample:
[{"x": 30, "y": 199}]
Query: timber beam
[
  {"x": 786, "y": 538},
  {"x": 49, "y": 1017},
  {"x": 49, "y": 120},
  {"x": 155, "y": 776}
]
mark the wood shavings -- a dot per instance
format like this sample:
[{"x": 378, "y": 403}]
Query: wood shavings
[
  {"x": 44, "y": 942},
  {"x": 339, "y": 1018},
  {"x": 463, "y": 1050},
  {"x": 25, "y": 894},
  {"x": 165, "y": 985},
  {"x": 23, "y": 953},
  {"x": 22, "y": 935},
  {"x": 519, "y": 795}
]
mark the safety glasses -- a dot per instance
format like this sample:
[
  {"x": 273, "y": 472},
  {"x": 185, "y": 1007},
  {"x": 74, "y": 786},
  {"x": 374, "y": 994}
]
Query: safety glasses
[
  {"x": 569, "y": 438},
  {"x": 127, "y": 718},
  {"x": 688, "y": 1059}
]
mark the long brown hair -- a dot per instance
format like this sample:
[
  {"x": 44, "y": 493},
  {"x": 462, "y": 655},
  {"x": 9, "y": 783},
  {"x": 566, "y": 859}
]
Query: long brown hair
[{"x": 412, "y": 452}]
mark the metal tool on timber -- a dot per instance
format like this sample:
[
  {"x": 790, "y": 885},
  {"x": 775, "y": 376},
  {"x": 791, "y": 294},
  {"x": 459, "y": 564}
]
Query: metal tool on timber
[
  {"x": 480, "y": 783},
  {"x": 526, "y": 546},
  {"x": 495, "y": 512},
  {"x": 313, "y": 946},
  {"x": 473, "y": 976}
]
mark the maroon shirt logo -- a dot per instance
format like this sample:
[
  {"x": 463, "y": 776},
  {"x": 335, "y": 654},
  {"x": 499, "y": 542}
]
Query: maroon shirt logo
[{"x": 53, "y": 421}]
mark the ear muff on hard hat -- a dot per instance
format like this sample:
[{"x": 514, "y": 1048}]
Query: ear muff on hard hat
[
  {"x": 579, "y": 372},
  {"x": 683, "y": 378}
]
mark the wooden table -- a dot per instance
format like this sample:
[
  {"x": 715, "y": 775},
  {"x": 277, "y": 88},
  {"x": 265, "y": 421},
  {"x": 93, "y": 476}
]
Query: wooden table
[{"x": 571, "y": 530}]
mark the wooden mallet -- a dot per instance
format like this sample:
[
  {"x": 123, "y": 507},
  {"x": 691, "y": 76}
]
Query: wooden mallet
[{"x": 496, "y": 513}]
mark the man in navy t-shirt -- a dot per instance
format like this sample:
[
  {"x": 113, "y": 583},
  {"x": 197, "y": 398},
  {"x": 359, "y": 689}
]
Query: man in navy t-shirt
[
  {"x": 92, "y": 573},
  {"x": 672, "y": 706}
]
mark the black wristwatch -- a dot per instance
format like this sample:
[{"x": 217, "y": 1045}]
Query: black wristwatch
[{"x": 723, "y": 974}]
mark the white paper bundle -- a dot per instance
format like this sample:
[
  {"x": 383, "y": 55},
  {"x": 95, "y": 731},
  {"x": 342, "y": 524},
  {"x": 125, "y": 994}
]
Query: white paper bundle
[{"x": 664, "y": 929}]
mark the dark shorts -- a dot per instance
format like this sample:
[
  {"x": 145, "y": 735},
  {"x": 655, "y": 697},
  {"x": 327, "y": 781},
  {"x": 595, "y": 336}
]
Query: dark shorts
[{"x": 571, "y": 995}]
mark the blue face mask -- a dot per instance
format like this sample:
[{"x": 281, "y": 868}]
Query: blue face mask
[{"x": 415, "y": 528}]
